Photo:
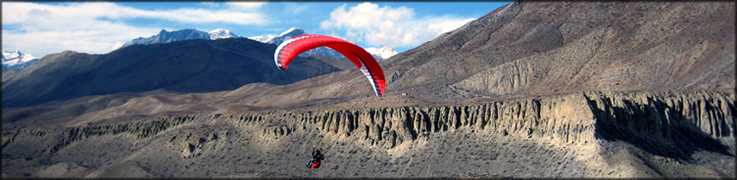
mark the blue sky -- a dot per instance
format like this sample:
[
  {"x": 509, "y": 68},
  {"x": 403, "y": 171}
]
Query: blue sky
[{"x": 99, "y": 27}]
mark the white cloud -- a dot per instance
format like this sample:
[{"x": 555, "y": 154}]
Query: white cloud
[
  {"x": 387, "y": 26},
  {"x": 96, "y": 27},
  {"x": 247, "y": 5},
  {"x": 21, "y": 12},
  {"x": 383, "y": 52}
]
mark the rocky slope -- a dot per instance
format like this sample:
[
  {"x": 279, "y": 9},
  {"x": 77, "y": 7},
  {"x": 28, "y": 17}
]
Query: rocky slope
[
  {"x": 590, "y": 134},
  {"x": 527, "y": 49}
]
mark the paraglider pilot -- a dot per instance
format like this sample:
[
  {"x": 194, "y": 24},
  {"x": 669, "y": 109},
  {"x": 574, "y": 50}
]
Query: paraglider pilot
[
  {"x": 316, "y": 159},
  {"x": 313, "y": 164}
]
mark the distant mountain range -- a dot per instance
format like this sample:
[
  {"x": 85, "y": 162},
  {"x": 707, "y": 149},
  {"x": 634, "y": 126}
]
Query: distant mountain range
[
  {"x": 188, "y": 34},
  {"x": 186, "y": 60},
  {"x": 19, "y": 60},
  {"x": 181, "y": 66},
  {"x": 180, "y": 35}
]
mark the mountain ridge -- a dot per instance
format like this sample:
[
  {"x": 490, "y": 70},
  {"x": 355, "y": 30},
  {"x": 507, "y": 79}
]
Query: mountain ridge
[
  {"x": 181, "y": 66},
  {"x": 219, "y": 33}
]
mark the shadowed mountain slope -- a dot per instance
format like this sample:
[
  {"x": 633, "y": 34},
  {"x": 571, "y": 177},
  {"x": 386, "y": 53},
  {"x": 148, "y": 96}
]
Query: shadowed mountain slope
[
  {"x": 183, "y": 66},
  {"x": 530, "y": 49}
]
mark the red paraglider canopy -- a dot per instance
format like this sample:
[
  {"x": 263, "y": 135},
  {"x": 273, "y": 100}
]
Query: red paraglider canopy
[{"x": 288, "y": 50}]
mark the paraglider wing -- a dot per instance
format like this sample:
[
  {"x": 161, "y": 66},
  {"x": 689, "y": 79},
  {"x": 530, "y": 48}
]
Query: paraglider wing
[{"x": 290, "y": 49}]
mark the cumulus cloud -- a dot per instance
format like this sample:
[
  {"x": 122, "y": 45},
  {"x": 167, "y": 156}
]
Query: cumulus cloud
[
  {"x": 383, "y": 52},
  {"x": 388, "y": 26},
  {"x": 96, "y": 27}
]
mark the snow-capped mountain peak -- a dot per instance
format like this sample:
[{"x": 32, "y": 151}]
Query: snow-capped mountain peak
[
  {"x": 263, "y": 38},
  {"x": 292, "y": 31},
  {"x": 278, "y": 39},
  {"x": 289, "y": 33},
  {"x": 221, "y": 34},
  {"x": 165, "y": 36},
  {"x": 12, "y": 58}
]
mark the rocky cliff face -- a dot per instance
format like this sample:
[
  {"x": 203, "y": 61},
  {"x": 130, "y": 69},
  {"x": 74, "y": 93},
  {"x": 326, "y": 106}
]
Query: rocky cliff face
[
  {"x": 676, "y": 126},
  {"x": 666, "y": 124},
  {"x": 568, "y": 119},
  {"x": 388, "y": 127}
]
